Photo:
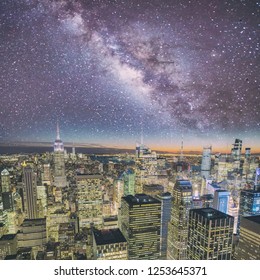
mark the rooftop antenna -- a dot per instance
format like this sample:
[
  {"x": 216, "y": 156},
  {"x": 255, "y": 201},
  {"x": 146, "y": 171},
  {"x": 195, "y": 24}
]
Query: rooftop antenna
[{"x": 58, "y": 131}]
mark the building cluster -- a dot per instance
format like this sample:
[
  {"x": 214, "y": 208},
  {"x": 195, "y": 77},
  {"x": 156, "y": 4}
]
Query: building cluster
[{"x": 146, "y": 206}]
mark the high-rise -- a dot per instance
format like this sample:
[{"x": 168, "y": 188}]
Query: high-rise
[
  {"x": 59, "y": 162},
  {"x": 210, "y": 235},
  {"x": 30, "y": 192},
  {"x": 5, "y": 181},
  {"x": 206, "y": 162},
  {"x": 249, "y": 241},
  {"x": 89, "y": 200},
  {"x": 140, "y": 223},
  {"x": 166, "y": 201},
  {"x": 178, "y": 225},
  {"x": 221, "y": 200}
]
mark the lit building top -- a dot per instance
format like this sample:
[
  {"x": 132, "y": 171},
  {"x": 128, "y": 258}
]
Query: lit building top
[
  {"x": 5, "y": 172},
  {"x": 211, "y": 213},
  {"x": 183, "y": 185},
  {"x": 58, "y": 144},
  {"x": 140, "y": 199},
  {"x": 108, "y": 236}
]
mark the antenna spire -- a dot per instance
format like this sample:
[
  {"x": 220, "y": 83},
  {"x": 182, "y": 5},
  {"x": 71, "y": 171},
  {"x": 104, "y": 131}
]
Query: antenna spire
[{"x": 58, "y": 131}]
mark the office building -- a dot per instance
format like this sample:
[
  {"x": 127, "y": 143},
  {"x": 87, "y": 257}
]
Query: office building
[
  {"x": 89, "y": 200},
  {"x": 109, "y": 244},
  {"x": 32, "y": 233},
  {"x": 221, "y": 200},
  {"x": 30, "y": 193},
  {"x": 210, "y": 235},
  {"x": 166, "y": 206},
  {"x": 8, "y": 245},
  {"x": 140, "y": 223},
  {"x": 249, "y": 241},
  {"x": 5, "y": 181},
  {"x": 59, "y": 162},
  {"x": 206, "y": 162},
  {"x": 178, "y": 225}
]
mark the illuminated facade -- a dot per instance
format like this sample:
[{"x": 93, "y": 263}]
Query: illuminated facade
[
  {"x": 221, "y": 200},
  {"x": 210, "y": 235},
  {"x": 89, "y": 200},
  {"x": 249, "y": 241},
  {"x": 59, "y": 162},
  {"x": 30, "y": 193},
  {"x": 178, "y": 226},
  {"x": 140, "y": 223},
  {"x": 109, "y": 244},
  {"x": 206, "y": 162},
  {"x": 5, "y": 181},
  {"x": 166, "y": 202}
]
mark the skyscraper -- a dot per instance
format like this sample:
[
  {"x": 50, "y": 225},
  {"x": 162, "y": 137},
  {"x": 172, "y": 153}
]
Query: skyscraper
[
  {"x": 236, "y": 150},
  {"x": 30, "y": 192},
  {"x": 5, "y": 181},
  {"x": 206, "y": 162},
  {"x": 249, "y": 241},
  {"x": 166, "y": 201},
  {"x": 89, "y": 200},
  {"x": 59, "y": 162},
  {"x": 210, "y": 235},
  {"x": 249, "y": 205},
  {"x": 221, "y": 200},
  {"x": 178, "y": 226},
  {"x": 140, "y": 224}
]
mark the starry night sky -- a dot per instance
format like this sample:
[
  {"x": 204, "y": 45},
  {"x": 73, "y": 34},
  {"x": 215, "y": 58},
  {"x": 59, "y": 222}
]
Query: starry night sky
[{"x": 109, "y": 69}]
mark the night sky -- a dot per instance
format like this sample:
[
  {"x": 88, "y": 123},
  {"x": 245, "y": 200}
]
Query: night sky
[{"x": 108, "y": 70}]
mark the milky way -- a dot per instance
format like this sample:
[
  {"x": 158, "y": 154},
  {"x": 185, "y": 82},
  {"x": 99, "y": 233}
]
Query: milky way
[{"x": 109, "y": 69}]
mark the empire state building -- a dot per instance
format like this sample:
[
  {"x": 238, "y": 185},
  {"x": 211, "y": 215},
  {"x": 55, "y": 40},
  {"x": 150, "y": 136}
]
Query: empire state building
[{"x": 59, "y": 162}]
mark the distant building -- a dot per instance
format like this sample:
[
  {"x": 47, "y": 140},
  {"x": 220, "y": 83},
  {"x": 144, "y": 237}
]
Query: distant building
[
  {"x": 153, "y": 189},
  {"x": 210, "y": 235},
  {"x": 140, "y": 223},
  {"x": 249, "y": 241},
  {"x": 206, "y": 162},
  {"x": 5, "y": 181},
  {"x": 221, "y": 200},
  {"x": 178, "y": 225},
  {"x": 109, "y": 244}
]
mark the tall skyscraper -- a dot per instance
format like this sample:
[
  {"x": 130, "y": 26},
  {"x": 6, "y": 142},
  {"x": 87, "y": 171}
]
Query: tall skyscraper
[
  {"x": 221, "y": 200},
  {"x": 30, "y": 192},
  {"x": 249, "y": 241},
  {"x": 178, "y": 226},
  {"x": 140, "y": 223},
  {"x": 236, "y": 150},
  {"x": 210, "y": 235},
  {"x": 59, "y": 162},
  {"x": 166, "y": 202},
  {"x": 5, "y": 181},
  {"x": 206, "y": 162}
]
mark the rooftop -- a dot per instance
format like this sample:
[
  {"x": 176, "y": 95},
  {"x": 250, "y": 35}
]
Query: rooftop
[
  {"x": 211, "y": 213},
  {"x": 108, "y": 236},
  {"x": 183, "y": 185},
  {"x": 7, "y": 237},
  {"x": 255, "y": 219},
  {"x": 140, "y": 199}
]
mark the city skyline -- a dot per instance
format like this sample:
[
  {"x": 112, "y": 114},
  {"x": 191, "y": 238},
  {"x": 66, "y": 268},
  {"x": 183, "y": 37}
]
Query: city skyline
[{"x": 110, "y": 71}]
